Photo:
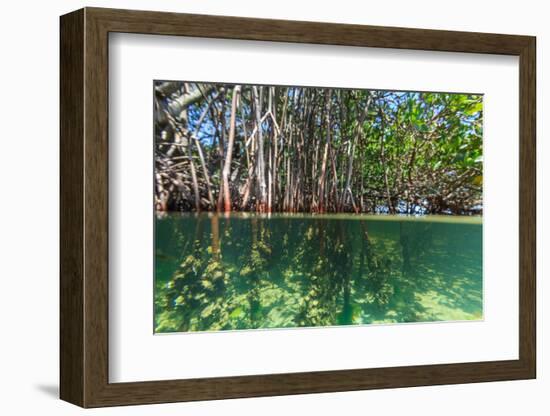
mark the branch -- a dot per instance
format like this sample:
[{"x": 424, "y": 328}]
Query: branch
[{"x": 182, "y": 102}]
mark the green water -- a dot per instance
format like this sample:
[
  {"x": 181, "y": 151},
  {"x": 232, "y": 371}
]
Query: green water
[{"x": 248, "y": 271}]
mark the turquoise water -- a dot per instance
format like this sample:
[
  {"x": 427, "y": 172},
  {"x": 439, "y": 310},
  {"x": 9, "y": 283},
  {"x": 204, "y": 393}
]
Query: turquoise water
[{"x": 247, "y": 271}]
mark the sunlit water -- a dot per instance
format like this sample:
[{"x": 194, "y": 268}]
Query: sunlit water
[{"x": 247, "y": 271}]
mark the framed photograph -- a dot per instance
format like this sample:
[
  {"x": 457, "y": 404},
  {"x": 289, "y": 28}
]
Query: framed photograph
[{"x": 257, "y": 207}]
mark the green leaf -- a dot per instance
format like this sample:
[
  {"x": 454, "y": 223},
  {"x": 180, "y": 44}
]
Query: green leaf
[
  {"x": 237, "y": 313},
  {"x": 478, "y": 180}
]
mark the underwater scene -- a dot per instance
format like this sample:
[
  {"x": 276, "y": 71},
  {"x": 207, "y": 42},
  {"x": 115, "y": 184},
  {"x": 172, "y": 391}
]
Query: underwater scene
[{"x": 250, "y": 271}]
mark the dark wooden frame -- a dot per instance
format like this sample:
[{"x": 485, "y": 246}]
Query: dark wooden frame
[{"x": 84, "y": 207}]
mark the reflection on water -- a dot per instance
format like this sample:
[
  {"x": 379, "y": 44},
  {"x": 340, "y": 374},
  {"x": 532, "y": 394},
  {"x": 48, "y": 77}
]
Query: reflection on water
[{"x": 247, "y": 271}]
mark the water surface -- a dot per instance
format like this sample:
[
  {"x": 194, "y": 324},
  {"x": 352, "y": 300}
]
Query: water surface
[{"x": 246, "y": 271}]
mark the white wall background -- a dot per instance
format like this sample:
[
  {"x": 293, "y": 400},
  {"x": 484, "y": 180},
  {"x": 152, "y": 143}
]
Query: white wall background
[{"x": 29, "y": 158}]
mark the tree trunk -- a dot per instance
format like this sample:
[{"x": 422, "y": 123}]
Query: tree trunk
[
  {"x": 261, "y": 164},
  {"x": 322, "y": 178},
  {"x": 229, "y": 152},
  {"x": 194, "y": 176},
  {"x": 351, "y": 154}
]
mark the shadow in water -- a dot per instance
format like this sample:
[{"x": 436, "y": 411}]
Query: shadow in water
[{"x": 241, "y": 272}]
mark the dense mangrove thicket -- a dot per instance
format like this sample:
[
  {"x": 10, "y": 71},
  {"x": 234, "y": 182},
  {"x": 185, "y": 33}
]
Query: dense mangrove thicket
[{"x": 222, "y": 147}]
